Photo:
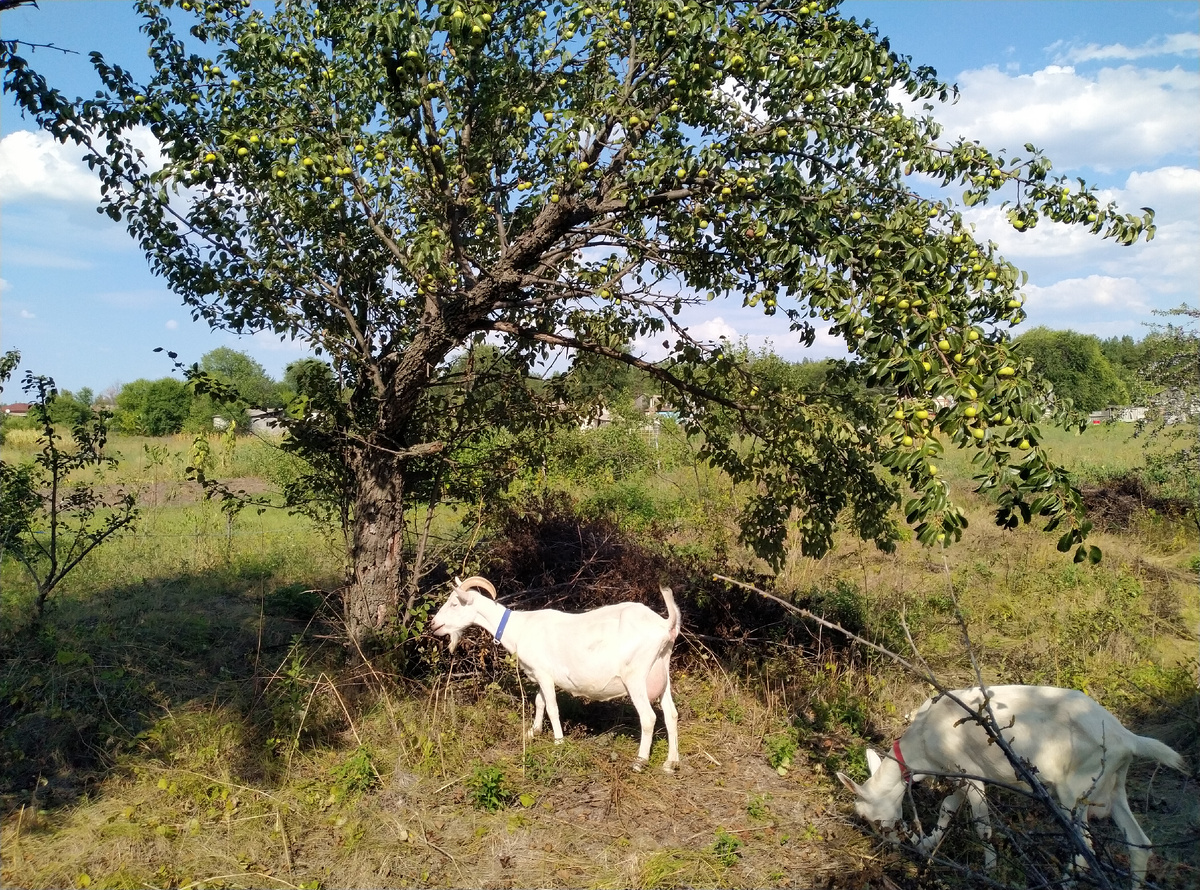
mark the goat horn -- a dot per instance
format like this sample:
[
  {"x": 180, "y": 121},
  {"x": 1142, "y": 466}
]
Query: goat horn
[{"x": 480, "y": 582}]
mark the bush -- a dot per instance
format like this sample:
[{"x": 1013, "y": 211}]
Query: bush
[{"x": 607, "y": 454}]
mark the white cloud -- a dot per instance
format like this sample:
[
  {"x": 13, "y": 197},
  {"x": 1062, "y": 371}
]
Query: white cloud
[
  {"x": 1173, "y": 192},
  {"x": 1163, "y": 45},
  {"x": 34, "y": 165},
  {"x": 1116, "y": 118},
  {"x": 4, "y": 285},
  {"x": 25, "y": 313},
  {"x": 713, "y": 329},
  {"x": 172, "y": 325},
  {"x": 1167, "y": 268},
  {"x": 1093, "y": 293}
]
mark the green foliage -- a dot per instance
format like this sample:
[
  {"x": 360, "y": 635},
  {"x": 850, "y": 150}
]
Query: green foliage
[
  {"x": 727, "y": 848},
  {"x": 50, "y": 521},
  {"x": 289, "y": 699},
  {"x": 842, "y": 604},
  {"x": 356, "y": 775},
  {"x": 758, "y": 807},
  {"x": 395, "y": 184},
  {"x": 1171, "y": 355},
  {"x": 488, "y": 788},
  {"x": 70, "y": 409},
  {"x": 781, "y": 750},
  {"x": 1076, "y": 366},
  {"x": 153, "y": 407},
  {"x": 295, "y": 601},
  {"x": 610, "y": 453}
]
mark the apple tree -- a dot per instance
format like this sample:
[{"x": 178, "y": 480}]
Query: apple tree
[{"x": 393, "y": 182}]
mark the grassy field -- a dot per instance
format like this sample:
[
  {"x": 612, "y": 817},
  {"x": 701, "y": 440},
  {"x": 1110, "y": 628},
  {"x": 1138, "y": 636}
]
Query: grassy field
[{"x": 186, "y": 715}]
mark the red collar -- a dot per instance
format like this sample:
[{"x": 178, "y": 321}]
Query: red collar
[{"x": 905, "y": 772}]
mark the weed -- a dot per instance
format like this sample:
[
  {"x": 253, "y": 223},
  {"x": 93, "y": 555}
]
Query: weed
[
  {"x": 780, "y": 750},
  {"x": 852, "y": 762},
  {"x": 295, "y": 601},
  {"x": 356, "y": 775},
  {"x": 757, "y": 807},
  {"x": 289, "y": 693},
  {"x": 727, "y": 848},
  {"x": 488, "y": 788}
]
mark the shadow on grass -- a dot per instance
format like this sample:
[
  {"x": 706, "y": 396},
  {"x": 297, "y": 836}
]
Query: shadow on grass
[{"x": 95, "y": 680}]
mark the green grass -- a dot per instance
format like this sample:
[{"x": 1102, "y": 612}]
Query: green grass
[{"x": 194, "y": 719}]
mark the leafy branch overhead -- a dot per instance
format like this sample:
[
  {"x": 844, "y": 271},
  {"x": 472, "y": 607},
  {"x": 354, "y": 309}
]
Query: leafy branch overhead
[{"x": 391, "y": 184}]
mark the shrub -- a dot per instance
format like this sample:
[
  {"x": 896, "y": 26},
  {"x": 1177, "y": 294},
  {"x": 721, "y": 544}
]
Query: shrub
[{"x": 488, "y": 788}]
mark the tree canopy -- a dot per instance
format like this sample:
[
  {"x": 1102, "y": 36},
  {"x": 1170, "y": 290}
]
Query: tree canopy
[
  {"x": 393, "y": 183},
  {"x": 153, "y": 407},
  {"x": 1076, "y": 366}
]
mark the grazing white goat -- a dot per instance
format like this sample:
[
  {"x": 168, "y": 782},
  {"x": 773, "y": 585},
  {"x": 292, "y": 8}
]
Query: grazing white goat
[
  {"x": 607, "y": 653},
  {"x": 1077, "y": 747}
]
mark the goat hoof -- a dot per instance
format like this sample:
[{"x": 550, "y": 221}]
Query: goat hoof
[
  {"x": 639, "y": 765},
  {"x": 671, "y": 767},
  {"x": 560, "y": 741}
]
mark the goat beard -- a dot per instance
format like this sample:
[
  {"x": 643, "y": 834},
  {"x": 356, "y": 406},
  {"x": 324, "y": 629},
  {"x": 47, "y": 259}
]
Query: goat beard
[{"x": 454, "y": 637}]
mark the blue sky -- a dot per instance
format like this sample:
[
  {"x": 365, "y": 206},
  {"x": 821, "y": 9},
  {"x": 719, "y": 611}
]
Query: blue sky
[{"x": 1109, "y": 90}]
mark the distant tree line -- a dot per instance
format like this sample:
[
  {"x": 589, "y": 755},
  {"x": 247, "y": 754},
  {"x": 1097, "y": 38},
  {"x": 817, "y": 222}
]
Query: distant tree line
[
  {"x": 170, "y": 405},
  {"x": 1093, "y": 373}
]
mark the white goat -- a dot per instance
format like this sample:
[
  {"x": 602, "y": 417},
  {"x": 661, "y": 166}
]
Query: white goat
[
  {"x": 1077, "y": 747},
  {"x": 607, "y": 653}
]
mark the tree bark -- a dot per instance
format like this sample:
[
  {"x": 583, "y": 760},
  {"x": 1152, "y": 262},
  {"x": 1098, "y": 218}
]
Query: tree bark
[{"x": 377, "y": 544}]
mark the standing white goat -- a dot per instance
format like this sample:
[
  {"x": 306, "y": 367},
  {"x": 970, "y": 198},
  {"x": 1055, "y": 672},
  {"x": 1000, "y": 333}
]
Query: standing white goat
[
  {"x": 1076, "y": 746},
  {"x": 607, "y": 653}
]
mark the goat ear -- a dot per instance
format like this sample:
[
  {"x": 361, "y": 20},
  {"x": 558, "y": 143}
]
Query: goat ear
[
  {"x": 874, "y": 761},
  {"x": 850, "y": 784}
]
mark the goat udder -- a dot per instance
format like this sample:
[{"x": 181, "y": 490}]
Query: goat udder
[{"x": 656, "y": 681}]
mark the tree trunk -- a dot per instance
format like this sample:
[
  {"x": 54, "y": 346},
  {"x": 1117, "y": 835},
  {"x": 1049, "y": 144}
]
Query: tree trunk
[{"x": 377, "y": 546}]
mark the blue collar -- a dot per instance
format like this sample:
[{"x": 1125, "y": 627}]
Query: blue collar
[{"x": 503, "y": 621}]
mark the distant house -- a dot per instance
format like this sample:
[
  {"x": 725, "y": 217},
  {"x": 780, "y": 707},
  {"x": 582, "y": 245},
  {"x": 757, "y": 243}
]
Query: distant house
[
  {"x": 265, "y": 422},
  {"x": 16, "y": 409},
  {"x": 1118, "y": 413}
]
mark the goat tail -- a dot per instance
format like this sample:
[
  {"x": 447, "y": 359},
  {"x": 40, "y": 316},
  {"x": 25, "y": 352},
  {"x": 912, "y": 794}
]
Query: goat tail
[
  {"x": 1153, "y": 749},
  {"x": 477, "y": 582},
  {"x": 674, "y": 618}
]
